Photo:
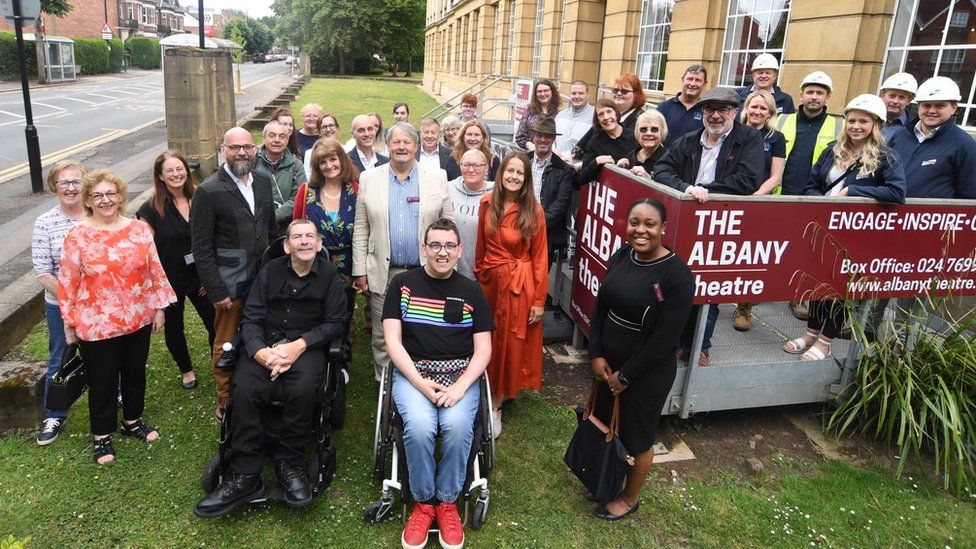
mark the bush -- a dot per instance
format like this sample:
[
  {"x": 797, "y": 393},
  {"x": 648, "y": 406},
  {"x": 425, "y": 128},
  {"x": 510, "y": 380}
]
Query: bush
[
  {"x": 91, "y": 54},
  {"x": 116, "y": 55},
  {"x": 9, "y": 65},
  {"x": 145, "y": 52}
]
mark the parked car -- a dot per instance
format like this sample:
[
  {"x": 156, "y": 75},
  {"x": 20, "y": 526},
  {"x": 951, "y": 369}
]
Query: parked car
[{"x": 260, "y": 58}]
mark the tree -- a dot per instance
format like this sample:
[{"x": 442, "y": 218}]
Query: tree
[
  {"x": 56, "y": 7},
  {"x": 252, "y": 35},
  {"x": 347, "y": 30},
  {"x": 403, "y": 33}
]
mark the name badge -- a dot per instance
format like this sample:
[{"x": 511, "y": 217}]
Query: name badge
[
  {"x": 188, "y": 259},
  {"x": 413, "y": 199},
  {"x": 698, "y": 116},
  {"x": 928, "y": 162}
]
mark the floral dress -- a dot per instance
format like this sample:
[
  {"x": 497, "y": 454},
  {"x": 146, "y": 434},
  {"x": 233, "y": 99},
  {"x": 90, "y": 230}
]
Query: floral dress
[{"x": 335, "y": 227}]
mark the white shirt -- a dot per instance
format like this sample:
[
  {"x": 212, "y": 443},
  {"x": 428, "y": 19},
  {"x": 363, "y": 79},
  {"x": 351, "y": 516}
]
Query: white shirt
[
  {"x": 367, "y": 162},
  {"x": 709, "y": 159},
  {"x": 432, "y": 160},
  {"x": 246, "y": 186},
  {"x": 538, "y": 168},
  {"x": 573, "y": 125},
  {"x": 921, "y": 136}
]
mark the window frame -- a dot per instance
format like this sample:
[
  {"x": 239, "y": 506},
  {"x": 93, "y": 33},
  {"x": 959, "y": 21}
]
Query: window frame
[
  {"x": 726, "y": 77},
  {"x": 658, "y": 58}
]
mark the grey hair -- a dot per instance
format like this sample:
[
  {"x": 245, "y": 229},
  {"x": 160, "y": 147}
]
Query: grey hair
[
  {"x": 429, "y": 121},
  {"x": 301, "y": 221},
  {"x": 405, "y": 128},
  {"x": 451, "y": 120},
  {"x": 655, "y": 117},
  {"x": 475, "y": 152},
  {"x": 264, "y": 130}
]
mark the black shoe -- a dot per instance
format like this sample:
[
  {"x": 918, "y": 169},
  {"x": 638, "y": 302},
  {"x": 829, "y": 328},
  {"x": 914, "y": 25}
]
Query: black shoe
[
  {"x": 50, "y": 430},
  {"x": 602, "y": 512},
  {"x": 235, "y": 490},
  {"x": 295, "y": 484}
]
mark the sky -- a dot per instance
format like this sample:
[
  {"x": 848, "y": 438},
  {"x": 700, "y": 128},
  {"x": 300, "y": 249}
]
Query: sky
[{"x": 254, "y": 8}]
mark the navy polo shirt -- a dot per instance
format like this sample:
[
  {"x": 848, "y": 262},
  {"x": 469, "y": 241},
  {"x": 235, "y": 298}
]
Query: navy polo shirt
[{"x": 681, "y": 121}]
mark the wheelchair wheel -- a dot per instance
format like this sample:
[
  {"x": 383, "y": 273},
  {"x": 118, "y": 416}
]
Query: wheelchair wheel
[
  {"x": 479, "y": 514},
  {"x": 377, "y": 512},
  {"x": 488, "y": 449},
  {"x": 337, "y": 411},
  {"x": 210, "y": 477}
]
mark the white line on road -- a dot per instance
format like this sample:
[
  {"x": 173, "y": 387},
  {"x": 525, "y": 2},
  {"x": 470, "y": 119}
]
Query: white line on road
[
  {"x": 55, "y": 107},
  {"x": 105, "y": 96},
  {"x": 75, "y": 99},
  {"x": 22, "y": 119}
]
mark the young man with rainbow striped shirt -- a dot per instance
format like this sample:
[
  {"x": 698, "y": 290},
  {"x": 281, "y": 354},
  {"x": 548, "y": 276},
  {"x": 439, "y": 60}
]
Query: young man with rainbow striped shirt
[{"x": 437, "y": 326}]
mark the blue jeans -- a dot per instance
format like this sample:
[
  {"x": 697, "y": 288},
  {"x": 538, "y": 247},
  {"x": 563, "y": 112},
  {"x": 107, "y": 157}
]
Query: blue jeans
[
  {"x": 55, "y": 346},
  {"x": 421, "y": 421}
]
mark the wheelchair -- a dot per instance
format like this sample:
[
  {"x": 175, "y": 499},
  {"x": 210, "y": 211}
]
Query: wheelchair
[
  {"x": 330, "y": 408},
  {"x": 389, "y": 455}
]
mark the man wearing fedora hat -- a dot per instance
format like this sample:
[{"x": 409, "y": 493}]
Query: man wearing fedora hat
[
  {"x": 552, "y": 183},
  {"x": 723, "y": 157}
]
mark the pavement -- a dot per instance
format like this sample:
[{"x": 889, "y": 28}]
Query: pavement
[{"x": 129, "y": 152}]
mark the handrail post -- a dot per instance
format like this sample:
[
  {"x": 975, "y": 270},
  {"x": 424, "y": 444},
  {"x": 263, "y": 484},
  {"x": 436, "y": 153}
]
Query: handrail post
[{"x": 692, "y": 370}]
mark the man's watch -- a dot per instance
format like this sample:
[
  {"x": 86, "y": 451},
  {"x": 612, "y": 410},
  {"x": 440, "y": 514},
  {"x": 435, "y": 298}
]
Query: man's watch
[{"x": 622, "y": 379}]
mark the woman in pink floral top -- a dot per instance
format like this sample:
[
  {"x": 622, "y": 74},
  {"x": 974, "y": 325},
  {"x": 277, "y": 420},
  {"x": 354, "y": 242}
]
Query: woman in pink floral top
[{"x": 112, "y": 291}]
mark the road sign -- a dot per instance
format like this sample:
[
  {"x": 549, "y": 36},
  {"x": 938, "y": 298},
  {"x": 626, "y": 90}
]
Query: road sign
[
  {"x": 29, "y": 9},
  {"x": 106, "y": 31}
]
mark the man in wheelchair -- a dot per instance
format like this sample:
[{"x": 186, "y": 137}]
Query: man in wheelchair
[
  {"x": 296, "y": 306},
  {"x": 437, "y": 326}
]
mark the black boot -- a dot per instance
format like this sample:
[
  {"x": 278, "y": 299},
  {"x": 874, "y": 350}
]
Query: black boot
[
  {"x": 232, "y": 492},
  {"x": 295, "y": 484}
]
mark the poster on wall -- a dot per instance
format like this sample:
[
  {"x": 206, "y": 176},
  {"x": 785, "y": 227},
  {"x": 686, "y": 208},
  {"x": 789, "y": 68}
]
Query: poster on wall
[{"x": 520, "y": 98}]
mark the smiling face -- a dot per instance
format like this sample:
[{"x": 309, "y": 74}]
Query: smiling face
[
  {"x": 310, "y": 119},
  {"x": 104, "y": 201},
  {"x": 718, "y": 118},
  {"x": 401, "y": 113},
  {"x": 68, "y": 187},
  {"x": 303, "y": 242},
  {"x": 896, "y": 101},
  {"x": 757, "y": 112},
  {"x": 363, "y": 132},
  {"x": 692, "y": 84},
  {"x": 450, "y": 133},
  {"x": 649, "y": 134},
  {"x": 402, "y": 147},
  {"x": 644, "y": 229},
  {"x": 275, "y": 139},
  {"x": 288, "y": 122},
  {"x": 577, "y": 95},
  {"x": 543, "y": 143},
  {"x": 429, "y": 134},
  {"x": 467, "y": 110},
  {"x": 173, "y": 174},
  {"x": 473, "y": 138},
  {"x": 607, "y": 119},
  {"x": 331, "y": 167},
  {"x": 933, "y": 114},
  {"x": 329, "y": 127},
  {"x": 473, "y": 170},
  {"x": 543, "y": 93},
  {"x": 623, "y": 97},
  {"x": 239, "y": 150},
  {"x": 859, "y": 126},
  {"x": 513, "y": 178},
  {"x": 443, "y": 250},
  {"x": 764, "y": 79}
]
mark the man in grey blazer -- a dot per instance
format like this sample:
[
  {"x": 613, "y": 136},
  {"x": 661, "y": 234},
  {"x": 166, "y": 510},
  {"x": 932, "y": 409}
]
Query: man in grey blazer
[
  {"x": 232, "y": 221},
  {"x": 396, "y": 202}
]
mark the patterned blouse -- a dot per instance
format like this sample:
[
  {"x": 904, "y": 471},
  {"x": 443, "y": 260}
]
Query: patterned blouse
[
  {"x": 111, "y": 282},
  {"x": 335, "y": 226},
  {"x": 49, "y": 232}
]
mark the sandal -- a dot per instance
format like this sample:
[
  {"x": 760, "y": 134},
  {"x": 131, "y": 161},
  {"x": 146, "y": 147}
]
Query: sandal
[
  {"x": 102, "y": 447},
  {"x": 798, "y": 345},
  {"x": 139, "y": 430},
  {"x": 814, "y": 353}
]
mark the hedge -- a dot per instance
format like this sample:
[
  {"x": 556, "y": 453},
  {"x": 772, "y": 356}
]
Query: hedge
[
  {"x": 145, "y": 52},
  {"x": 9, "y": 65},
  {"x": 91, "y": 54},
  {"x": 115, "y": 55}
]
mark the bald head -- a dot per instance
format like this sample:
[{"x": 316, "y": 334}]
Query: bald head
[
  {"x": 238, "y": 151},
  {"x": 364, "y": 132}
]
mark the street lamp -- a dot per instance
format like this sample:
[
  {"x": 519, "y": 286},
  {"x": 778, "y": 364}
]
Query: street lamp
[{"x": 27, "y": 10}]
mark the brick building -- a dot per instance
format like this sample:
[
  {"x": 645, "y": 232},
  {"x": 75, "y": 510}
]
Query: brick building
[
  {"x": 857, "y": 42},
  {"x": 155, "y": 18}
]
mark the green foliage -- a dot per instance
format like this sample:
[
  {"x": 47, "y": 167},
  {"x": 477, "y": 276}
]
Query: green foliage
[
  {"x": 9, "y": 64},
  {"x": 13, "y": 543},
  {"x": 116, "y": 55},
  {"x": 919, "y": 395},
  {"x": 91, "y": 54},
  {"x": 253, "y": 35},
  {"x": 145, "y": 52},
  {"x": 56, "y": 7}
]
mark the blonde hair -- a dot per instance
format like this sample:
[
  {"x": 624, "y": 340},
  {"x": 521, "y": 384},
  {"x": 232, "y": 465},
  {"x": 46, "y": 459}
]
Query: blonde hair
[
  {"x": 310, "y": 106},
  {"x": 871, "y": 153},
  {"x": 652, "y": 116},
  {"x": 770, "y": 104},
  {"x": 52, "y": 177},
  {"x": 95, "y": 177}
]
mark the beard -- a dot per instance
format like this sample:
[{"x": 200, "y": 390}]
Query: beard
[{"x": 240, "y": 168}]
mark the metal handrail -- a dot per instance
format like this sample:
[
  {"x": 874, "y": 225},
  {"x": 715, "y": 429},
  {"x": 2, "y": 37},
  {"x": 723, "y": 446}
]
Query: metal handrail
[{"x": 446, "y": 106}]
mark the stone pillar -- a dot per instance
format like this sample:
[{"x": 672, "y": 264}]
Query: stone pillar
[
  {"x": 697, "y": 35},
  {"x": 486, "y": 34},
  {"x": 582, "y": 42},
  {"x": 620, "y": 31},
  {"x": 524, "y": 33},
  {"x": 199, "y": 94}
]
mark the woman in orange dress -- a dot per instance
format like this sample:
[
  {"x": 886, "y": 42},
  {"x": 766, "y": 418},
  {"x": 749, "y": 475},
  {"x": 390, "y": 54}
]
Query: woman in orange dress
[{"x": 511, "y": 263}]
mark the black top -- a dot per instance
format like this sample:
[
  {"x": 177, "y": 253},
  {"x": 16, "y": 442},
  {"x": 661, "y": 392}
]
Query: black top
[
  {"x": 800, "y": 161},
  {"x": 653, "y": 299},
  {"x": 305, "y": 142},
  {"x": 172, "y": 237},
  {"x": 774, "y": 146},
  {"x": 648, "y": 164},
  {"x": 438, "y": 316},
  {"x": 283, "y": 305},
  {"x": 601, "y": 144},
  {"x": 736, "y": 170}
]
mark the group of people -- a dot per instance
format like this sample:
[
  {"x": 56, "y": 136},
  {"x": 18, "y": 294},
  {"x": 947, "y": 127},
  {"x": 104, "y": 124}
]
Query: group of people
[{"x": 450, "y": 246}]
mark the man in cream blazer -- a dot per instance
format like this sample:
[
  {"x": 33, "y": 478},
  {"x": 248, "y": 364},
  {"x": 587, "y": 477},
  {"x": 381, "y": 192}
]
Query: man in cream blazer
[{"x": 396, "y": 202}]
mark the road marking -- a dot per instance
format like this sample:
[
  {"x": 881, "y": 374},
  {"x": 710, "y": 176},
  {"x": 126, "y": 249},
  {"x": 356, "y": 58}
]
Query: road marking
[
  {"x": 55, "y": 107},
  {"x": 76, "y": 99},
  {"x": 125, "y": 92},
  {"x": 256, "y": 82},
  {"x": 22, "y": 119},
  {"x": 13, "y": 114},
  {"x": 105, "y": 96},
  {"x": 23, "y": 167}
]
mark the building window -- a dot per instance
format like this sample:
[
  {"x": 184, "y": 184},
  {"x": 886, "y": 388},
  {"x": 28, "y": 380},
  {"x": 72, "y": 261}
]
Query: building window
[
  {"x": 752, "y": 27},
  {"x": 537, "y": 39},
  {"x": 652, "y": 42},
  {"x": 932, "y": 38}
]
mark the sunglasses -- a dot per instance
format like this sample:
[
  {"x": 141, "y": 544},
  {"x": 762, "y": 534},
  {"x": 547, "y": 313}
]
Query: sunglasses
[{"x": 645, "y": 129}]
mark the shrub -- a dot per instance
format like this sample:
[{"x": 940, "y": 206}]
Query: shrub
[
  {"x": 91, "y": 54},
  {"x": 145, "y": 52},
  {"x": 116, "y": 55},
  {"x": 9, "y": 65}
]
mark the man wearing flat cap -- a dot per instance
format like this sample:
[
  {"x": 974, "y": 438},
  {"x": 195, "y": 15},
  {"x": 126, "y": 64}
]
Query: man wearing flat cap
[
  {"x": 552, "y": 182},
  {"x": 724, "y": 157}
]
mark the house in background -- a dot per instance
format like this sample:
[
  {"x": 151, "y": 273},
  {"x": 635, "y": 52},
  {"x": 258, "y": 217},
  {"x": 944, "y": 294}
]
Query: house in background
[{"x": 125, "y": 18}]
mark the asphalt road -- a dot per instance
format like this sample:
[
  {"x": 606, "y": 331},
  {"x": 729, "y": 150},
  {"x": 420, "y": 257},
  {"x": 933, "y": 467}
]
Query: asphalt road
[{"x": 71, "y": 116}]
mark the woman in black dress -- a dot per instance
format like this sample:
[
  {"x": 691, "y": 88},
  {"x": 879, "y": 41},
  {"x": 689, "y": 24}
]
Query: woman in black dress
[
  {"x": 167, "y": 212},
  {"x": 610, "y": 142},
  {"x": 633, "y": 337},
  {"x": 650, "y": 131}
]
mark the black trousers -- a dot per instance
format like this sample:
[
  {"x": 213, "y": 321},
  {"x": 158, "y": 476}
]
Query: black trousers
[
  {"x": 827, "y": 317},
  {"x": 108, "y": 361},
  {"x": 251, "y": 392},
  {"x": 176, "y": 333}
]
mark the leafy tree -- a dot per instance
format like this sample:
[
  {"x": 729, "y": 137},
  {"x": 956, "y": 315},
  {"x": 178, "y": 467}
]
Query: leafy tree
[
  {"x": 403, "y": 33},
  {"x": 56, "y": 7},
  {"x": 252, "y": 35},
  {"x": 347, "y": 30}
]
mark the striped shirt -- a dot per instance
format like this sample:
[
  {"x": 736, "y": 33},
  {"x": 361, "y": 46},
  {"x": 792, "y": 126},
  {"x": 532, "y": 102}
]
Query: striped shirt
[
  {"x": 50, "y": 229},
  {"x": 404, "y": 219}
]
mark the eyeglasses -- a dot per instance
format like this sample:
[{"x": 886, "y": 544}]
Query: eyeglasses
[
  {"x": 621, "y": 91},
  {"x": 472, "y": 166},
  {"x": 711, "y": 109},
  {"x": 68, "y": 183},
  {"x": 111, "y": 195},
  {"x": 171, "y": 171},
  {"x": 436, "y": 247},
  {"x": 248, "y": 147},
  {"x": 329, "y": 126},
  {"x": 645, "y": 129}
]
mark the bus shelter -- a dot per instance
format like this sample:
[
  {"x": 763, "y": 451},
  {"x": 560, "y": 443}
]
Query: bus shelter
[
  {"x": 59, "y": 57},
  {"x": 768, "y": 251}
]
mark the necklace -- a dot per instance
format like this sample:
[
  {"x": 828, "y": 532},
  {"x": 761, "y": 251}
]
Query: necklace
[{"x": 330, "y": 196}]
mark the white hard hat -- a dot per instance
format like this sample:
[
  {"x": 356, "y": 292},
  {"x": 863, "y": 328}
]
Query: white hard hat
[
  {"x": 869, "y": 103},
  {"x": 900, "y": 81},
  {"x": 819, "y": 78},
  {"x": 938, "y": 88},
  {"x": 765, "y": 61}
]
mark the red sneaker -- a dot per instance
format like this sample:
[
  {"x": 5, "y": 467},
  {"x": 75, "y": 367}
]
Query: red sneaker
[
  {"x": 415, "y": 532},
  {"x": 449, "y": 524}
]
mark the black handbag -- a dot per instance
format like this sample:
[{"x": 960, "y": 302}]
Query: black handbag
[
  {"x": 595, "y": 454},
  {"x": 69, "y": 382}
]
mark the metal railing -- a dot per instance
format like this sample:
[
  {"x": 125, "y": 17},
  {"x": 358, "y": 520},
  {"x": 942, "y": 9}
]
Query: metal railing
[{"x": 448, "y": 106}]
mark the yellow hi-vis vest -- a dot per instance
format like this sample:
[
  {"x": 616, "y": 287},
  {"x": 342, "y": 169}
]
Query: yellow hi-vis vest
[{"x": 786, "y": 124}]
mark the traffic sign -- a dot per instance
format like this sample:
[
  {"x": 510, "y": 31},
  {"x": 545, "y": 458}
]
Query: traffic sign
[
  {"x": 29, "y": 9},
  {"x": 106, "y": 31}
]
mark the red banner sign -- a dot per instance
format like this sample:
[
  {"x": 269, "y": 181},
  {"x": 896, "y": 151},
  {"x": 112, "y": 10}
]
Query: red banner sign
[{"x": 762, "y": 250}]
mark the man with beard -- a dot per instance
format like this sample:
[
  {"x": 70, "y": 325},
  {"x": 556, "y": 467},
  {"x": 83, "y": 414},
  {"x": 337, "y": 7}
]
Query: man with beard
[
  {"x": 233, "y": 222},
  {"x": 724, "y": 157}
]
